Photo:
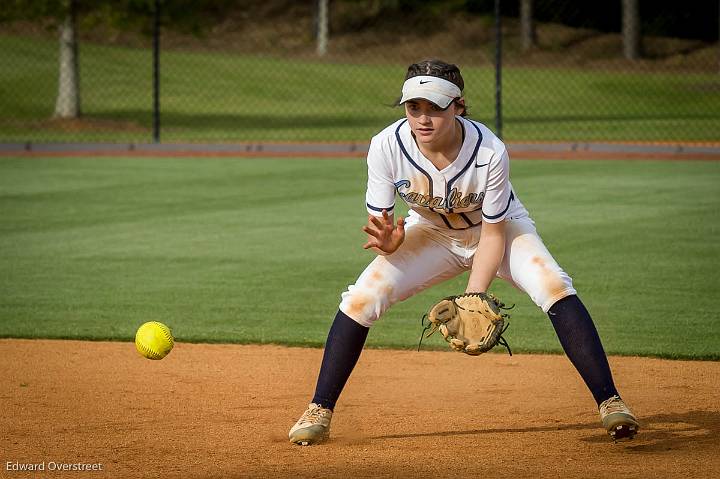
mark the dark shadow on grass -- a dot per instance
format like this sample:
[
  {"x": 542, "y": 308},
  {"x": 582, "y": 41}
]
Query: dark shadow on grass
[
  {"x": 510, "y": 119},
  {"x": 240, "y": 121},
  {"x": 322, "y": 127},
  {"x": 231, "y": 121},
  {"x": 662, "y": 432}
]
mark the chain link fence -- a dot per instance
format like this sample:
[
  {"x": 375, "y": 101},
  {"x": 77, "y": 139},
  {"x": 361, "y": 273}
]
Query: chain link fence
[{"x": 321, "y": 70}]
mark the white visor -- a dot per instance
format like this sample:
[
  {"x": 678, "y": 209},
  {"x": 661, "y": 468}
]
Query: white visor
[{"x": 433, "y": 89}]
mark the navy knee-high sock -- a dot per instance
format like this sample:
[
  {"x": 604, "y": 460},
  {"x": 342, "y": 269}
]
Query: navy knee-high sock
[
  {"x": 342, "y": 349},
  {"x": 579, "y": 338}
]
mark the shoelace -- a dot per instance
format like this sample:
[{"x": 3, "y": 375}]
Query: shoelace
[
  {"x": 314, "y": 415},
  {"x": 613, "y": 405}
]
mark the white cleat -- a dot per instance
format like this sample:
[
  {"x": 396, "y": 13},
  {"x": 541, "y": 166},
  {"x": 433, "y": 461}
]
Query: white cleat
[
  {"x": 313, "y": 427},
  {"x": 617, "y": 419}
]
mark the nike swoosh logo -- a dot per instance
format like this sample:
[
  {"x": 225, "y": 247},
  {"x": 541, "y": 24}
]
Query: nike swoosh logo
[
  {"x": 480, "y": 166},
  {"x": 424, "y": 82}
]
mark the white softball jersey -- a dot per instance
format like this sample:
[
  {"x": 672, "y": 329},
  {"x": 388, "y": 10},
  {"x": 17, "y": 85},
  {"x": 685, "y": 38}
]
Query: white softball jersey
[
  {"x": 473, "y": 188},
  {"x": 446, "y": 210}
]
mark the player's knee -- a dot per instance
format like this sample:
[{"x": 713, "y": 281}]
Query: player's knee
[
  {"x": 364, "y": 307},
  {"x": 550, "y": 301},
  {"x": 547, "y": 284},
  {"x": 558, "y": 287}
]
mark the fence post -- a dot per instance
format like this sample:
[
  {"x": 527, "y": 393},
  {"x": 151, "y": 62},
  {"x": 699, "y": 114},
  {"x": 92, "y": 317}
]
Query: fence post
[
  {"x": 498, "y": 71},
  {"x": 528, "y": 35},
  {"x": 322, "y": 27},
  {"x": 156, "y": 72},
  {"x": 67, "y": 104},
  {"x": 631, "y": 29}
]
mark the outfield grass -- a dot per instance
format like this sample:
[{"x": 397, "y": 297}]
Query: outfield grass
[
  {"x": 225, "y": 97},
  {"x": 258, "y": 251}
]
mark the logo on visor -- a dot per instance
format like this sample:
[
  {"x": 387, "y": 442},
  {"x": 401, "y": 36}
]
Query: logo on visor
[{"x": 424, "y": 82}]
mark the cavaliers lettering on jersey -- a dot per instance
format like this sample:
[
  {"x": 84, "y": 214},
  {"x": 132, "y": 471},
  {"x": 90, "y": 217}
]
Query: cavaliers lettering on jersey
[{"x": 473, "y": 188}]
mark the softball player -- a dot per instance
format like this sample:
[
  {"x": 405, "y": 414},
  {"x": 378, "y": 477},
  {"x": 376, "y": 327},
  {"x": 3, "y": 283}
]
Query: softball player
[{"x": 454, "y": 174}]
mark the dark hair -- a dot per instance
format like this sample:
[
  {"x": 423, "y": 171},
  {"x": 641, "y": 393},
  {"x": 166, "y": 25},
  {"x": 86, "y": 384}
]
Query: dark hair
[
  {"x": 437, "y": 68},
  {"x": 440, "y": 69}
]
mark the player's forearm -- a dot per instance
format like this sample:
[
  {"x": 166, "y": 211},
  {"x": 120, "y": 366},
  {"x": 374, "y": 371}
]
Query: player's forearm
[{"x": 489, "y": 255}]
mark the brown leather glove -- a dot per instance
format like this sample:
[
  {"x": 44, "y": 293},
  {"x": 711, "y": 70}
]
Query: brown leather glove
[{"x": 472, "y": 323}]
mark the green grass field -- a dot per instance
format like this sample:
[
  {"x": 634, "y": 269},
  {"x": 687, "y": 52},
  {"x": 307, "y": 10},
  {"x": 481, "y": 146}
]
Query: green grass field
[
  {"x": 259, "y": 250},
  {"x": 224, "y": 97}
]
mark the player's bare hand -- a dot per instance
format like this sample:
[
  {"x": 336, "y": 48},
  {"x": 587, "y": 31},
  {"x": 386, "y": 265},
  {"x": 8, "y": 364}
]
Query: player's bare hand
[{"x": 384, "y": 234}]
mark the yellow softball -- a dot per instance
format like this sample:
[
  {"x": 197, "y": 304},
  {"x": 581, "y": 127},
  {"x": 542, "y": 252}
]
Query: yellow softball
[{"x": 154, "y": 340}]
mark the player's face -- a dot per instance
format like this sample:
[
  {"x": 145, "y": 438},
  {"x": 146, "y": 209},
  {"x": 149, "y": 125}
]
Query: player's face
[{"x": 430, "y": 123}]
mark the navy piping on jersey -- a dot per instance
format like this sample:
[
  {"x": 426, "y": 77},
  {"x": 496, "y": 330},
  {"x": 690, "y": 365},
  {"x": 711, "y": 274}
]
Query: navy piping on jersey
[
  {"x": 468, "y": 220},
  {"x": 447, "y": 223},
  {"x": 451, "y": 227},
  {"x": 379, "y": 210},
  {"x": 430, "y": 181},
  {"x": 470, "y": 162},
  {"x": 402, "y": 148},
  {"x": 494, "y": 217}
]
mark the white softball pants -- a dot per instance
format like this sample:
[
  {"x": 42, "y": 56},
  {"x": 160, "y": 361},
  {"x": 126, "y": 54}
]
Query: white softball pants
[{"x": 430, "y": 255}]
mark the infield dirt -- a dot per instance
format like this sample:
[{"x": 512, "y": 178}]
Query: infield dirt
[{"x": 224, "y": 411}]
